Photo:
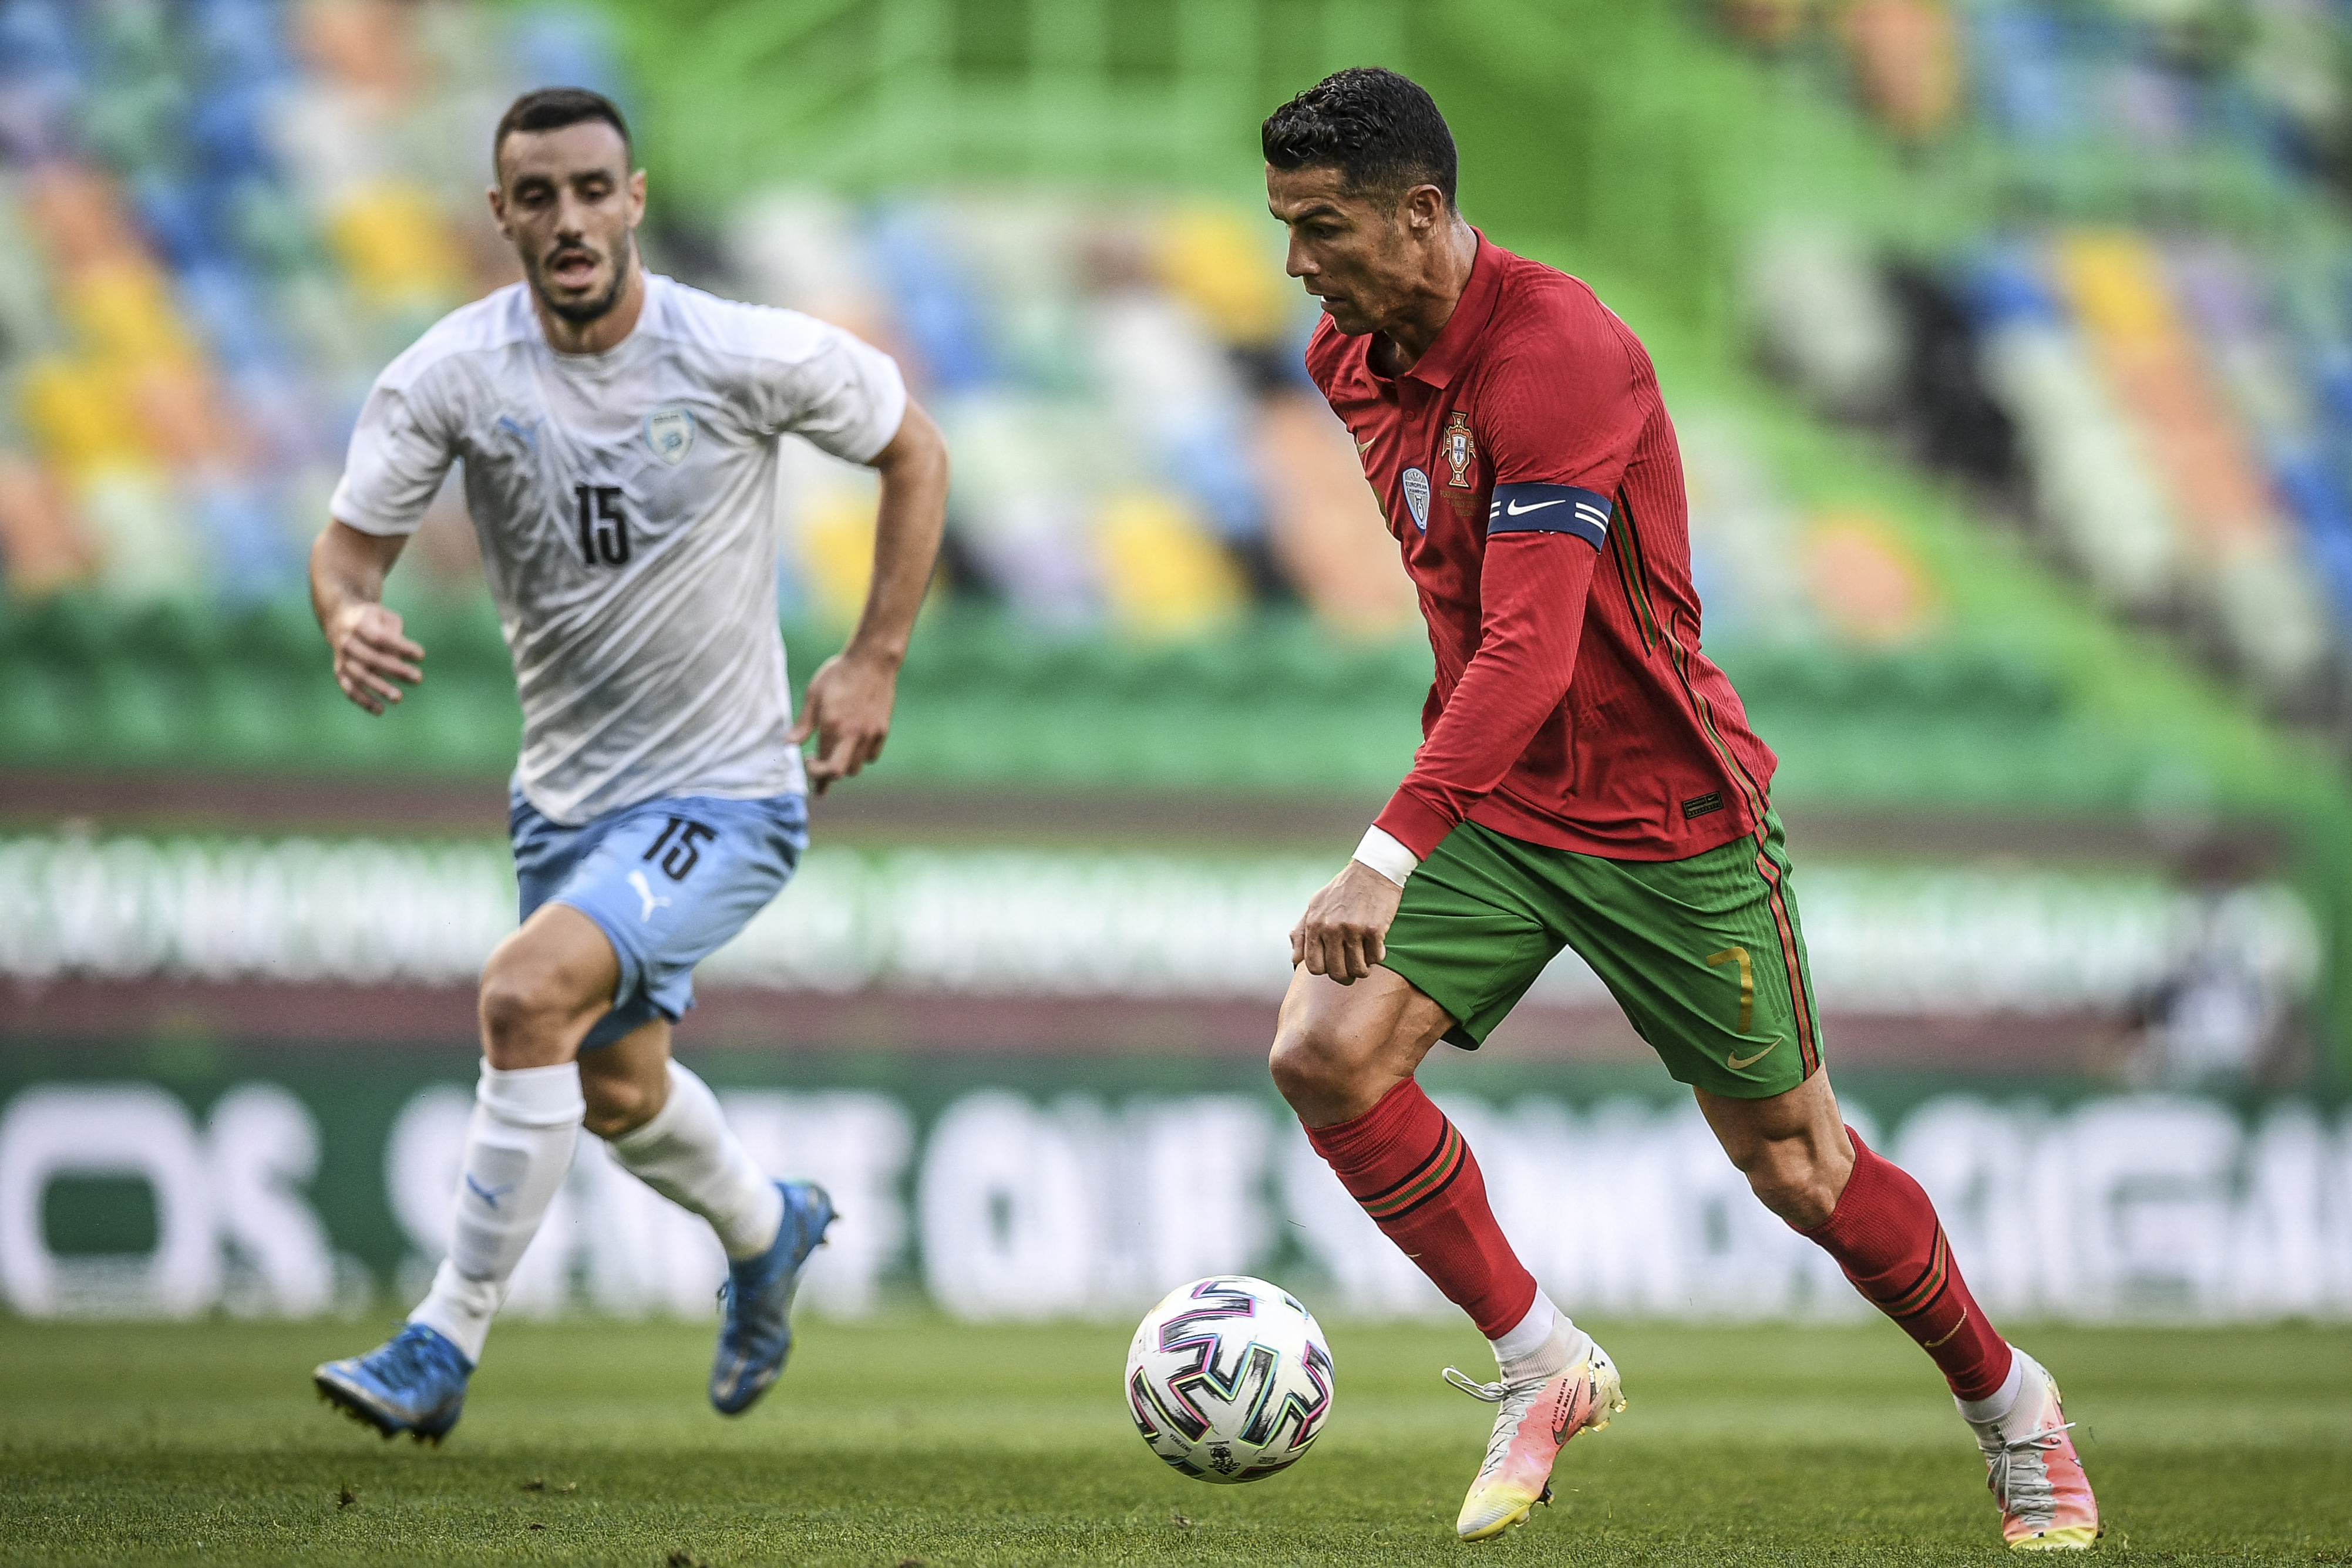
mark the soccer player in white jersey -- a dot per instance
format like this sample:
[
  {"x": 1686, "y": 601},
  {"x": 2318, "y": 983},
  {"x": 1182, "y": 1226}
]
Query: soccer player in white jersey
[{"x": 619, "y": 434}]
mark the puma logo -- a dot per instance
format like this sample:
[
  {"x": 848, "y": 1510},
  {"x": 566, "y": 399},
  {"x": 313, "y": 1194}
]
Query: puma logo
[
  {"x": 644, "y": 890},
  {"x": 1739, "y": 1063},
  {"x": 489, "y": 1195}
]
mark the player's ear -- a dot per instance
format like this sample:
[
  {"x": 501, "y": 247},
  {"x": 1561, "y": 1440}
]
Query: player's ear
[
  {"x": 1424, "y": 206},
  {"x": 636, "y": 197},
  {"x": 498, "y": 209}
]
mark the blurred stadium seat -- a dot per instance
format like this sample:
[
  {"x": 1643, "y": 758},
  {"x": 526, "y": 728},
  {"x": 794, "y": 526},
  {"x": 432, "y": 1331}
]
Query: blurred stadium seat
[{"x": 1165, "y": 572}]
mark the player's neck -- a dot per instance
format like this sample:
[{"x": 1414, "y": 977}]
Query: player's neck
[
  {"x": 606, "y": 332},
  {"x": 1429, "y": 304}
]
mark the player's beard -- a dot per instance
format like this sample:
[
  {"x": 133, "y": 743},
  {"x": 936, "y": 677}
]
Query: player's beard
[{"x": 580, "y": 313}]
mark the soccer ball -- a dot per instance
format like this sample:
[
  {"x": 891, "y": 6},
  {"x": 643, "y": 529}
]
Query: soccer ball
[{"x": 1229, "y": 1379}]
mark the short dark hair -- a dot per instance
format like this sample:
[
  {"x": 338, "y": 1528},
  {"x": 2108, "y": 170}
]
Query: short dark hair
[
  {"x": 1379, "y": 129},
  {"x": 553, "y": 109}
]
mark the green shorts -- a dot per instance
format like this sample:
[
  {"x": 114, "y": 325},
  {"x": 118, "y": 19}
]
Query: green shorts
[{"x": 1705, "y": 955}]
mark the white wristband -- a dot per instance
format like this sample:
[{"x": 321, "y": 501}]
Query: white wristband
[{"x": 1383, "y": 854}]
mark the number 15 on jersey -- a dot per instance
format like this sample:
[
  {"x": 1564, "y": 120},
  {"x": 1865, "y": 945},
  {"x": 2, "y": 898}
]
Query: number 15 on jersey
[{"x": 604, "y": 527}]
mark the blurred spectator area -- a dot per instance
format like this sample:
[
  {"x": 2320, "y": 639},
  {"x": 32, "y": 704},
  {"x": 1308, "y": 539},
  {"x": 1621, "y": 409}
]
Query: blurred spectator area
[
  {"x": 2002, "y": 340},
  {"x": 2101, "y": 277}
]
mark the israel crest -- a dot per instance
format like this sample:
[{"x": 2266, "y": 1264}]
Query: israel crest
[
  {"x": 1416, "y": 496},
  {"x": 1454, "y": 441},
  {"x": 669, "y": 435}
]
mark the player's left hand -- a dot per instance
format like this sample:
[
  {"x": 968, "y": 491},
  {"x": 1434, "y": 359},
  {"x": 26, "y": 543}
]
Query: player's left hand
[
  {"x": 1344, "y": 932},
  {"x": 848, "y": 709}
]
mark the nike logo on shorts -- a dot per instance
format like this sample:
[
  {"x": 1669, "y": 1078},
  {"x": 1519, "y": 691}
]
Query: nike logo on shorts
[{"x": 1737, "y": 1063}]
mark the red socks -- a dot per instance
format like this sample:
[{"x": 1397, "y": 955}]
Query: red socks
[
  {"x": 1410, "y": 1168},
  {"x": 1885, "y": 1236}
]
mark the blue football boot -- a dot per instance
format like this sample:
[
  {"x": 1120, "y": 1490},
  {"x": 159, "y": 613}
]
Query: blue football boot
[
  {"x": 413, "y": 1383},
  {"x": 756, "y": 1333}
]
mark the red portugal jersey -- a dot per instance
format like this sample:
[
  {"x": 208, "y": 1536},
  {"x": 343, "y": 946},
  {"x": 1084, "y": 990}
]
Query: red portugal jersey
[{"x": 1527, "y": 470}]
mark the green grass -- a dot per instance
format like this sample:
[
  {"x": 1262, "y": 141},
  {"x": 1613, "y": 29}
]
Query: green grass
[{"x": 911, "y": 1438}]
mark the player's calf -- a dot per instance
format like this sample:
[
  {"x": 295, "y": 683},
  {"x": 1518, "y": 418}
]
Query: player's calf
[{"x": 627, "y": 1082}]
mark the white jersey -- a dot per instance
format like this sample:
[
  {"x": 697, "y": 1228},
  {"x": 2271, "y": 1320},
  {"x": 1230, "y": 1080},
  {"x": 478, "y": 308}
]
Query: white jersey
[{"x": 626, "y": 507}]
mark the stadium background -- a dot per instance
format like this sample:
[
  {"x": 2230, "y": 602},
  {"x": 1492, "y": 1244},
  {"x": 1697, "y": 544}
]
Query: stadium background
[{"x": 2011, "y": 348}]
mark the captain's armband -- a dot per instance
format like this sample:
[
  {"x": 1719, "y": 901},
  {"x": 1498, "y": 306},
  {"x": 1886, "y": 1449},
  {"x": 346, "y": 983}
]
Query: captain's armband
[{"x": 1549, "y": 509}]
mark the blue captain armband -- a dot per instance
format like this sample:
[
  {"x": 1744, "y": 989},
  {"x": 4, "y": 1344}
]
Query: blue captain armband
[{"x": 1549, "y": 509}]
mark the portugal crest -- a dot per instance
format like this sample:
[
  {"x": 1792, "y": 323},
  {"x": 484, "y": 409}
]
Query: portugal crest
[
  {"x": 669, "y": 435},
  {"x": 1456, "y": 442}
]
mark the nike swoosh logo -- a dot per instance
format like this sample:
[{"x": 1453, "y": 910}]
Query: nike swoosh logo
[
  {"x": 1737, "y": 1063},
  {"x": 1364, "y": 447},
  {"x": 1563, "y": 1413},
  {"x": 1516, "y": 510}
]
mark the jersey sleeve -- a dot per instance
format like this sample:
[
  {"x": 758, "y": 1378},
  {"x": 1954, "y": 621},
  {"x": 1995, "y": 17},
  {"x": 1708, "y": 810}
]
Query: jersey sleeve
[
  {"x": 1532, "y": 589},
  {"x": 400, "y": 452},
  {"x": 837, "y": 390},
  {"x": 1561, "y": 414}
]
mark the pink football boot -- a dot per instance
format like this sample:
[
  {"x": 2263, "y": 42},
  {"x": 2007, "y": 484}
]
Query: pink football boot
[
  {"x": 2034, "y": 1473},
  {"x": 1537, "y": 1418}
]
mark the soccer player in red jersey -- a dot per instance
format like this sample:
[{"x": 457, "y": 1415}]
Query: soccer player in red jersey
[{"x": 1587, "y": 779}]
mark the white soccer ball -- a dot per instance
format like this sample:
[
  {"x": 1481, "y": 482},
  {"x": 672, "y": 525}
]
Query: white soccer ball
[{"x": 1229, "y": 1379}]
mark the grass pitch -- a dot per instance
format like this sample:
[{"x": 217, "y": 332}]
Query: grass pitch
[{"x": 913, "y": 1440}]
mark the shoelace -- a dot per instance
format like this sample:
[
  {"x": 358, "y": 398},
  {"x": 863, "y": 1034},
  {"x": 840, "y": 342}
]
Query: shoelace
[
  {"x": 798, "y": 1220},
  {"x": 1498, "y": 1442},
  {"x": 792, "y": 1218},
  {"x": 1492, "y": 1393},
  {"x": 2026, "y": 1489},
  {"x": 406, "y": 1359}
]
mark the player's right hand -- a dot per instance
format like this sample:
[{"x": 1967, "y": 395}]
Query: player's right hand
[
  {"x": 371, "y": 654},
  {"x": 1344, "y": 932}
]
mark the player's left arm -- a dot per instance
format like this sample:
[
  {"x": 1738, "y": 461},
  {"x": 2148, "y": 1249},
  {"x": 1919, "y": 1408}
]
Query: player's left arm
[{"x": 849, "y": 698}]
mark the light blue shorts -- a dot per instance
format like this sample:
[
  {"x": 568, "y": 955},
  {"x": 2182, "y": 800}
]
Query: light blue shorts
[{"x": 668, "y": 882}]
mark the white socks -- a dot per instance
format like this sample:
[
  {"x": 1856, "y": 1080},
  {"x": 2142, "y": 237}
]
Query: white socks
[
  {"x": 517, "y": 1152},
  {"x": 1543, "y": 1343},
  {"x": 689, "y": 1155},
  {"x": 1997, "y": 1404}
]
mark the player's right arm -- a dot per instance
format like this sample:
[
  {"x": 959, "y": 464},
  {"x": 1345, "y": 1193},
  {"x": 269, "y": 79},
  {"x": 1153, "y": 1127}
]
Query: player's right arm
[
  {"x": 401, "y": 450},
  {"x": 347, "y": 572}
]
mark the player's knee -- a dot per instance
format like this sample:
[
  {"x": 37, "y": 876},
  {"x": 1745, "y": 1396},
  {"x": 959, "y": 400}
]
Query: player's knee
[
  {"x": 514, "y": 1006},
  {"x": 1787, "y": 1181},
  {"x": 525, "y": 1002},
  {"x": 1311, "y": 1066}
]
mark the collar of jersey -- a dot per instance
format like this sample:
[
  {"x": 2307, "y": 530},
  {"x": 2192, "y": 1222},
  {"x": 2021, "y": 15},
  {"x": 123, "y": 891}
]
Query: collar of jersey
[
  {"x": 1471, "y": 314},
  {"x": 599, "y": 367}
]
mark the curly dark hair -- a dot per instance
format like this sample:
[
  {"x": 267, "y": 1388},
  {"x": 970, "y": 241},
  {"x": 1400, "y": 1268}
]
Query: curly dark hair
[{"x": 1379, "y": 129}]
